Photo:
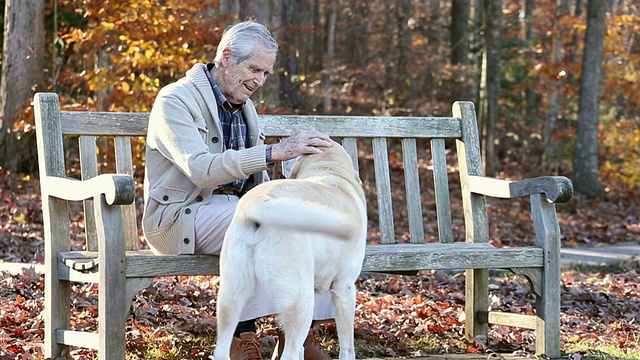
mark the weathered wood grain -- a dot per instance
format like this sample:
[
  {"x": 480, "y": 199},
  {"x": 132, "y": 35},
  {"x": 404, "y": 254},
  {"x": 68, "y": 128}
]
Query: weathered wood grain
[
  {"x": 412, "y": 190},
  {"x": 378, "y": 258},
  {"x": 135, "y": 124},
  {"x": 441, "y": 188},
  {"x": 118, "y": 189},
  {"x": 557, "y": 189}
]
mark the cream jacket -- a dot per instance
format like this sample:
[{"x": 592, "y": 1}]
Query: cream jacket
[{"x": 185, "y": 163}]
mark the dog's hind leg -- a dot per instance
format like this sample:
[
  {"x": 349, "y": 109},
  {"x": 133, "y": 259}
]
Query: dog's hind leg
[
  {"x": 237, "y": 285},
  {"x": 295, "y": 323},
  {"x": 344, "y": 300},
  {"x": 295, "y": 314},
  {"x": 231, "y": 300}
]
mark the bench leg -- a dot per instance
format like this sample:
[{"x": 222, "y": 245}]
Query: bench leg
[
  {"x": 56, "y": 308},
  {"x": 548, "y": 303},
  {"x": 56, "y": 292},
  {"x": 113, "y": 304},
  {"x": 476, "y": 303}
]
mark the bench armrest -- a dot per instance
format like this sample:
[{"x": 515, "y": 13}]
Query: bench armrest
[
  {"x": 118, "y": 189},
  {"x": 557, "y": 189}
]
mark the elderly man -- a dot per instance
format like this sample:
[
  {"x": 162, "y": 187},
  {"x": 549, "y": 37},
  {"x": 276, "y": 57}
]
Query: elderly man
[{"x": 205, "y": 149}]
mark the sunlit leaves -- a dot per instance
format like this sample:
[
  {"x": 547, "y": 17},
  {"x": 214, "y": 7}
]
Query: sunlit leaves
[{"x": 132, "y": 48}]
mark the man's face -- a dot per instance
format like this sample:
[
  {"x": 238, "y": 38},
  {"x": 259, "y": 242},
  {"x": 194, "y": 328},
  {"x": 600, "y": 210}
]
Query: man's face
[{"x": 240, "y": 81}]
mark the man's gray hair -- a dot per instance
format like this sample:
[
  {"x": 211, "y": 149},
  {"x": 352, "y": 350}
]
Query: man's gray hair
[{"x": 241, "y": 39}]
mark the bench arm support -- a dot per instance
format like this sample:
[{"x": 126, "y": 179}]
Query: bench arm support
[
  {"x": 557, "y": 189},
  {"x": 118, "y": 189}
]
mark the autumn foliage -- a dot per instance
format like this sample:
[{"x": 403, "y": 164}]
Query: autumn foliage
[
  {"x": 396, "y": 316},
  {"x": 114, "y": 55},
  {"x": 119, "y": 53}
]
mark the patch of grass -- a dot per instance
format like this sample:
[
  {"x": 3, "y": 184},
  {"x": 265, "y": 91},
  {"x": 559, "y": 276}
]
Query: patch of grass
[
  {"x": 604, "y": 352},
  {"x": 170, "y": 347},
  {"x": 433, "y": 344},
  {"x": 621, "y": 266}
]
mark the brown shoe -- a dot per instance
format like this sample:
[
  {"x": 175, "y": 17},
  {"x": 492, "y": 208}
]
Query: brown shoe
[
  {"x": 246, "y": 347},
  {"x": 312, "y": 351}
]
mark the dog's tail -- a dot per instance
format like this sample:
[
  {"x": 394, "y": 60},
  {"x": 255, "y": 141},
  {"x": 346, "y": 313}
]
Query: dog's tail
[{"x": 295, "y": 215}]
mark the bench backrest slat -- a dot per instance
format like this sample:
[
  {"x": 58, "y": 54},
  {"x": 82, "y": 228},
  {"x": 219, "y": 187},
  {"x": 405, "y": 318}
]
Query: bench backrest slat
[
  {"x": 135, "y": 124},
  {"x": 383, "y": 186},
  {"x": 441, "y": 190},
  {"x": 104, "y": 123},
  {"x": 352, "y": 126},
  {"x": 124, "y": 165},
  {"x": 89, "y": 169},
  {"x": 351, "y": 147},
  {"x": 476, "y": 220},
  {"x": 412, "y": 187}
]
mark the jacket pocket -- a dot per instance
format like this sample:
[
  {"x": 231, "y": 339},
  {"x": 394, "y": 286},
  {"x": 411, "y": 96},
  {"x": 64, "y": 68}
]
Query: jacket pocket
[
  {"x": 202, "y": 127},
  {"x": 168, "y": 202}
]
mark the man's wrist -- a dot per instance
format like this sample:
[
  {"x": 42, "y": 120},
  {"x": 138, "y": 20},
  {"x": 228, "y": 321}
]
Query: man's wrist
[{"x": 268, "y": 153}]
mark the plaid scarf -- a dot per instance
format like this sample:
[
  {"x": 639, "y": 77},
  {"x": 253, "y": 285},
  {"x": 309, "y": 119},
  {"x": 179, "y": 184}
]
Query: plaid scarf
[{"x": 234, "y": 128}]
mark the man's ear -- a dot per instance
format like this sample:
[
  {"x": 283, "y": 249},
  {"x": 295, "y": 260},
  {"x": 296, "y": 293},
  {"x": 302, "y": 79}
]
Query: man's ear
[{"x": 226, "y": 57}]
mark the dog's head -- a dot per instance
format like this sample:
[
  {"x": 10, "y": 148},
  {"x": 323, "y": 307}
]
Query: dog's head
[{"x": 334, "y": 160}]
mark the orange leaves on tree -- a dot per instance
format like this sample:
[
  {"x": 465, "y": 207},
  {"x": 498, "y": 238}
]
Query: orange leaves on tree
[{"x": 129, "y": 49}]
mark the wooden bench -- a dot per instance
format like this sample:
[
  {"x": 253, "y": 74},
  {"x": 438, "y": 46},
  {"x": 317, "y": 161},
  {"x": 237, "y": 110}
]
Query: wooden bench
[{"x": 115, "y": 262}]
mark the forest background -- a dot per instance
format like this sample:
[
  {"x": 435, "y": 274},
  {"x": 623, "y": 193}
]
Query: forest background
[{"x": 520, "y": 61}]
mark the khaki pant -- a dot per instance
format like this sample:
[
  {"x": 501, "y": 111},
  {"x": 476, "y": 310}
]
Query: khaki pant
[{"x": 212, "y": 220}]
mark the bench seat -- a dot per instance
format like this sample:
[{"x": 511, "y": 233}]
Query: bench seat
[{"x": 378, "y": 258}]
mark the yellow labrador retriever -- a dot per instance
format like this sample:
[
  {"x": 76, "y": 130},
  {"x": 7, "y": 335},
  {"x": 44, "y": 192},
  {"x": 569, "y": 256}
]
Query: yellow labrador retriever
[{"x": 295, "y": 237}]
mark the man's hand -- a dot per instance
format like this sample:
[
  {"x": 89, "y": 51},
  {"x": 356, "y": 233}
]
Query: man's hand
[{"x": 301, "y": 143}]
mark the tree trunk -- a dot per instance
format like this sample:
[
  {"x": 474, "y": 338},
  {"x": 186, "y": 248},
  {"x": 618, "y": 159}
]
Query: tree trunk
[
  {"x": 308, "y": 14},
  {"x": 22, "y": 71},
  {"x": 555, "y": 85},
  {"x": 269, "y": 13},
  {"x": 528, "y": 19},
  {"x": 585, "y": 154},
  {"x": 482, "y": 102},
  {"x": 460, "y": 48},
  {"x": 391, "y": 70},
  {"x": 492, "y": 69},
  {"x": 319, "y": 37},
  {"x": 476, "y": 44},
  {"x": 356, "y": 39},
  {"x": 531, "y": 97},
  {"x": 579, "y": 7},
  {"x": 230, "y": 7},
  {"x": 460, "y": 32},
  {"x": 403, "y": 83},
  {"x": 289, "y": 74},
  {"x": 573, "y": 44},
  {"x": 331, "y": 48}
]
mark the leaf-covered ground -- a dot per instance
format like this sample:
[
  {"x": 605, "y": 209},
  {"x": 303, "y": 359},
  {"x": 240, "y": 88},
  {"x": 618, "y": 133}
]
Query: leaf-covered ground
[{"x": 396, "y": 316}]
